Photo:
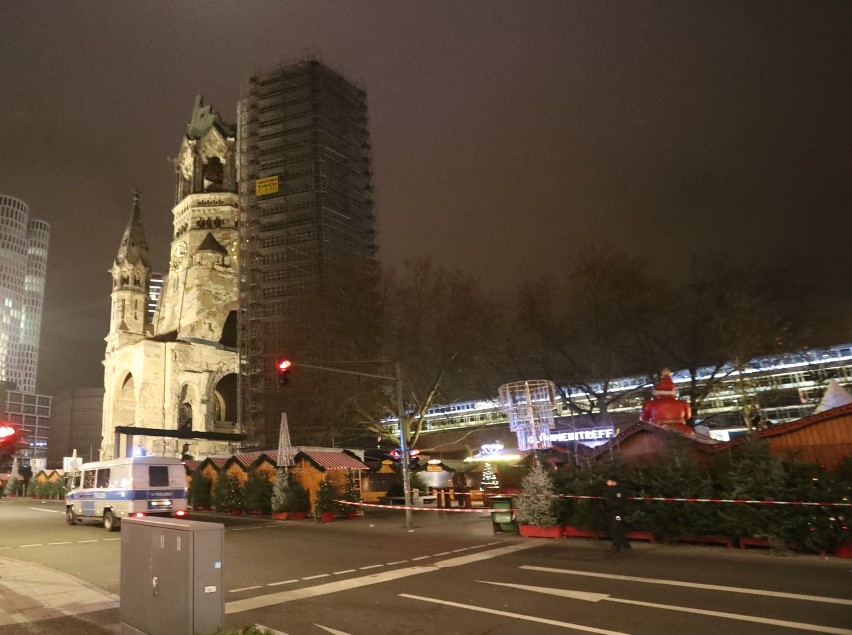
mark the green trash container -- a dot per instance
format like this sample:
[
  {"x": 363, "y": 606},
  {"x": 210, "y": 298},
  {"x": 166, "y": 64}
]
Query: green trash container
[{"x": 503, "y": 514}]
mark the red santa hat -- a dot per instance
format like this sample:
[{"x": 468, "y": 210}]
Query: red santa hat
[{"x": 665, "y": 386}]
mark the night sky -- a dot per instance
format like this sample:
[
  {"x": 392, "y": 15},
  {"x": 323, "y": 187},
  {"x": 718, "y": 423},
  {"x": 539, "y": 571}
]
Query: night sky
[{"x": 507, "y": 136}]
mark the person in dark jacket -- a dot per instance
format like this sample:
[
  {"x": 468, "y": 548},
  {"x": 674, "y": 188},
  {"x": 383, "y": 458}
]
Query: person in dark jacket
[{"x": 615, "y": 502}]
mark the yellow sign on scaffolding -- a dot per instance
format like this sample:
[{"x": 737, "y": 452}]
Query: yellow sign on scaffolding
[{"x": 268, "y": 185}]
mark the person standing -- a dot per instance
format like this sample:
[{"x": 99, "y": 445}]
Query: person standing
[{"x": 615, "y": 502}]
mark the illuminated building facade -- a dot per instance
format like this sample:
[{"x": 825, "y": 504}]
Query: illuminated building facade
[
  {"x": 23, "y": 265},
  {"x": 786, "y": 387},
  {"x": 308, "y": 237}
]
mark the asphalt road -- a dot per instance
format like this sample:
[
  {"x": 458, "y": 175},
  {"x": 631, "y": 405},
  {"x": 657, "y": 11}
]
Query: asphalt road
[{"x": 452, "y": 575}]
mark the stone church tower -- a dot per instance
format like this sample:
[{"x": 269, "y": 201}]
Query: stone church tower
[{"x": 171, "y": 383}]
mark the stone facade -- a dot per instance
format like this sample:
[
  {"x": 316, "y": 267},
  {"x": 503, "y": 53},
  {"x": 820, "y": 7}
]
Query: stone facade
[{"x": 176, "y": 375}]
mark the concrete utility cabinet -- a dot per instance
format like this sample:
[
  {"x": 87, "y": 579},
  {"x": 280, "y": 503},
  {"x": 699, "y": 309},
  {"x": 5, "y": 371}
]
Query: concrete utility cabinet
[{"x": 171, "y": 576}]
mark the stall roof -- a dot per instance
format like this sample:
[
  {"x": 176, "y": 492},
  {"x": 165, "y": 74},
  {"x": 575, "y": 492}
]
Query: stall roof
[{"x": 331, "y": 460}]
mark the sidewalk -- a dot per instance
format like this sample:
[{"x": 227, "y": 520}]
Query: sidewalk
[{"x": 36, "y": 600}]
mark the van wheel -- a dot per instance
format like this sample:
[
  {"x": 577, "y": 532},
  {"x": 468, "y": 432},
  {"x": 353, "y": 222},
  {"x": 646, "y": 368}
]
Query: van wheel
[
  {"x": 110, "y": 523},
  {"x": 70, "y": 516}
]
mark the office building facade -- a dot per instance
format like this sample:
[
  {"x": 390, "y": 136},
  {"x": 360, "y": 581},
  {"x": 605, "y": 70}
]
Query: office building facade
[
  {"x": 75, "y": 425},
  {"x": 23, "y": 265},
  {"x": 307, "y": 240}
]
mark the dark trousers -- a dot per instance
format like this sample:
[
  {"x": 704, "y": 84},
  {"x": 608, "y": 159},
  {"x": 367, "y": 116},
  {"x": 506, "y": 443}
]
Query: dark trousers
[{"x": 618, "y": 532}]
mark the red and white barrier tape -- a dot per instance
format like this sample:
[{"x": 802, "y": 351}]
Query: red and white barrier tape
[
  {"x": 714, "y": 500},
  {"x": 488, "y": 510},
  {"x": 481, "y": 510}
]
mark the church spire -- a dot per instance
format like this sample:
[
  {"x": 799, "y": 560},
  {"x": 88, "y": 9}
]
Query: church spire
[{"x": 134, "y": 248}]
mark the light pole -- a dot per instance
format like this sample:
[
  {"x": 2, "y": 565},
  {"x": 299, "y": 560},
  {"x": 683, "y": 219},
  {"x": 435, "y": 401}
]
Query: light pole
[{"x": 403, "y": 431}]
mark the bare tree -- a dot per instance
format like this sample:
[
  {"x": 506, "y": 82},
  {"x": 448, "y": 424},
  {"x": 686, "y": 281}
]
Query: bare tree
[
  {"x": 586, "y": 329},
  {"x": 439, "y": 324}
]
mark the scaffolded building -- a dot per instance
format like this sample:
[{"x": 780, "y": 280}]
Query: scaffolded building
[{"x": 308, "y": 237}]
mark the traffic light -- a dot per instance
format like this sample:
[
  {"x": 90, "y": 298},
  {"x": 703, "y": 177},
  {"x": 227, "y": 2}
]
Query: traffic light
[
  {"x": 8, "y": 438},
  {"x": 284, "y": 368}
]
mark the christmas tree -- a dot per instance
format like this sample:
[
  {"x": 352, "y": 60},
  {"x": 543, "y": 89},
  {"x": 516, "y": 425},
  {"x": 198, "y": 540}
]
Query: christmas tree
[
  {"x": 535, "y": 505},
  {"x": 489, "y": 478}
]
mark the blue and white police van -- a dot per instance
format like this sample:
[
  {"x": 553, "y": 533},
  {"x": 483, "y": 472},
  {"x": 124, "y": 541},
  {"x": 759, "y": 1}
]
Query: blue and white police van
[{"x": 137, "y": 486}]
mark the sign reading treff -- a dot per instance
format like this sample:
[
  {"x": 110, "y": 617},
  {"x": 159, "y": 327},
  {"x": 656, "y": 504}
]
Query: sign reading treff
[{"x": 268, "y": 185}]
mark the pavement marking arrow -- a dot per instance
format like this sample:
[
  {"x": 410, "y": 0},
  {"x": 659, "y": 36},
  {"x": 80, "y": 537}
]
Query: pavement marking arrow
[
  {"x": 517, "y": 616},
  {"x": 694, "y": 585},
  {"x": 344, "y": 584},
  {"x": 597, "y": 597}
]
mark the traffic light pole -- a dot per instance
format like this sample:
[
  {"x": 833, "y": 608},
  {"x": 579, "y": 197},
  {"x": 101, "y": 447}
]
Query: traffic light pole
[{"x": 403, "y": 429}]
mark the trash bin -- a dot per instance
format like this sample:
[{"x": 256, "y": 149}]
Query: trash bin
[{"x": 503, "y": 514}]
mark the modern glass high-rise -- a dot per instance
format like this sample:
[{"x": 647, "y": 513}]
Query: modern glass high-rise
[
  {"x": 23, "y": 265},
  {"x": 308, "y": 241}
]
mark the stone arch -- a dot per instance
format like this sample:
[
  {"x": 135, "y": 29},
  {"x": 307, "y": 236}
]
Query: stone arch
[
  {"x": 224, "y": 402},
  {"x": 213, "y": 174},
  {"x": 229, "y": 330},
  {"x": 188, "y": 407},
  {"x": 124, "y": 403}
]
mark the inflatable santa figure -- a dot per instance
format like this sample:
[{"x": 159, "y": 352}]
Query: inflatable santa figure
[{"x": 665, "y": 409}]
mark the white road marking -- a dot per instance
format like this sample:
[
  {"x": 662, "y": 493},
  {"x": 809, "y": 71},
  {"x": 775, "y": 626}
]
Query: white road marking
[
  {"x": 68, "y": 542},
  {"x": 282, "y": 582},
  {"x": 266, "y": 629},
  {"x": 248, "y": 604},
  {"x": 443, "y": 553},
  {"x": 331, "y": 630},
  {"x": 517, "y": 616},
  {"x": 49, "y": 511},
  {"x": 420, "y": 558},
  {"x": 344, "y": 571},
  {"x": 390, "y": 564},
  {"x": 111, "y": 539},
  {"x": 457, "y": 550},
  {"x": 80, "y": 542},
  {"x": 245, "y": 588},
  {"x": 33, "y": 545},
  {"x": 696, "y": 585},
  {"x": 598, "y": 597},
  {"x": 372, "y": 566},
  {"x": 314, "y": 577}
]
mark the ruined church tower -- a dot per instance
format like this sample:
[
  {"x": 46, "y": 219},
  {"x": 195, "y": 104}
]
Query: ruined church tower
[{"x": 171, "y": 385}]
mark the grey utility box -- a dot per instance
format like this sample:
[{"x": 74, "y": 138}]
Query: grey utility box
[{"x": 171, "y": 576}]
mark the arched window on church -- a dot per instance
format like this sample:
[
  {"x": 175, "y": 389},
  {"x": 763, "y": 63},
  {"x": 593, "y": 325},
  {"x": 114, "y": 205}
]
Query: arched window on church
[
  {"x": 185, "y": 416},
  {"x": 213, "y": 175}
]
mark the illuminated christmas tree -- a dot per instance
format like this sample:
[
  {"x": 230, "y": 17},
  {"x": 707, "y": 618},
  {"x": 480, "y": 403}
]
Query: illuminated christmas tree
[{"x": 489, "y": 478}]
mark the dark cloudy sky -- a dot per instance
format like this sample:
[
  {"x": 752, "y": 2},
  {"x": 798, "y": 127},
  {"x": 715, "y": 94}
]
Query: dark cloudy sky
[{"x": 507, "y": 136}]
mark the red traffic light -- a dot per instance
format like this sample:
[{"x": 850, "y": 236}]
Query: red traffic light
[
  {"x": 284, "y": 368},
  {"x": 8, "y": 438}
]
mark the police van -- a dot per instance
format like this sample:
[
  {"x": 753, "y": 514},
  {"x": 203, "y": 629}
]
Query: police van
[{"x": 127, "y": 487}]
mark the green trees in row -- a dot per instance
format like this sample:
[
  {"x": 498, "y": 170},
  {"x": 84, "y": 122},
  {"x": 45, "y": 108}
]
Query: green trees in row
[
  {"x": 749, "y": 473},
  {"x": 259, "y": 494}
]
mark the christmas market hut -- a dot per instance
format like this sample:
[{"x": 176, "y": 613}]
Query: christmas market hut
[{"x": 338, "y": 466}]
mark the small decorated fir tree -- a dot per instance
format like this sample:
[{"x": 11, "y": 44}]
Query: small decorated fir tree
[
  {"x": 327, "y": 496},
  {"x": 489, "y": 478},
  {"x": 535, "y": 504},
  {"x": 280, "y": 491}
]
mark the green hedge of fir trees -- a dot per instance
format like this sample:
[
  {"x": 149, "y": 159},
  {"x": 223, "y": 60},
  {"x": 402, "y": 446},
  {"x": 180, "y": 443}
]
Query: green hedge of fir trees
[{"x": 749, "y": 472}]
